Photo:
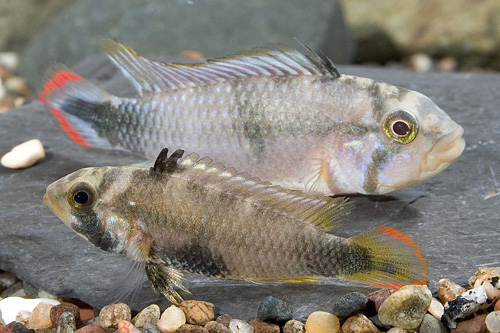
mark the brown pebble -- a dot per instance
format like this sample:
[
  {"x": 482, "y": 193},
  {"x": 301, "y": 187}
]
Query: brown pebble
[
  {"x": 40, "y": 317},
  {"x": 378, "y": 297},
  {"x": 112, "y": 314},
  {"x": 59, "y": 309},
  {"x": 294, "y": 326},
  {"x": 448, "y": 290},
  {"x": 215, "y": 327},
  {"x": 198, "y": 312},
  {"x": 91, "y": 329},
  {"x": 189, "y": 328},
  {"x": 475, "y": 324},
  {"x": 497, "y": 306},
  {"x": 260, "y": 326},
  {"x": 359, "y": 323},
  {"x": 484, "y": 274},
  {"x": 225, "y": 319},
  {"x": 86, "y": 314}
]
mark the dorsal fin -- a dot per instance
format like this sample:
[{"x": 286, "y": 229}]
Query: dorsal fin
[
  {"x": 150, "y": 76},
  {"x": 324, "y": 212},
  {"x": 165, "y": 164}
]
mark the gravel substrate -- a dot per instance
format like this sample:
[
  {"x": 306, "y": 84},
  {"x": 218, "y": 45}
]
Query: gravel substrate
[{"x": 412, "y": 308}]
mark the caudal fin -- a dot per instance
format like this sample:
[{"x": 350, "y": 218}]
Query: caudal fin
[
  {"x": 394, "y": 259},
  {"x": 74, "y": 102}
]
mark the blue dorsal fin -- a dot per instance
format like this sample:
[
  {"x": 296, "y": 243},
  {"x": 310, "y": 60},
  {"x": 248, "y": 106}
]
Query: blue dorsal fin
[{"x": 150, "y": 76}]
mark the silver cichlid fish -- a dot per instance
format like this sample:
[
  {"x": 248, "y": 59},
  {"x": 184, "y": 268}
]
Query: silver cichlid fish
[
  {"x": 282, "y": 115},
  {"x": 196, "y": 216}
]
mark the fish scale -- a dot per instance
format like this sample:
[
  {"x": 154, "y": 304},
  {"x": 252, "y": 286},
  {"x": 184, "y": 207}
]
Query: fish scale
[
  {"x": 282, "y": 115},
  {"x": 190, "y": 214}
]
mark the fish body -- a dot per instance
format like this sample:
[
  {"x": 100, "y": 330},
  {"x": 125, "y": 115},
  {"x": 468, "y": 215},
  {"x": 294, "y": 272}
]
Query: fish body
[
  {"x": 198, "y": 216},
  {"x": 282, "y": 115}
]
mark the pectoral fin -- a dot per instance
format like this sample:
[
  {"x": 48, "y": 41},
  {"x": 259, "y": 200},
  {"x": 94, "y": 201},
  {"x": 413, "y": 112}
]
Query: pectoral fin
[{"x": 164, "y": 279}]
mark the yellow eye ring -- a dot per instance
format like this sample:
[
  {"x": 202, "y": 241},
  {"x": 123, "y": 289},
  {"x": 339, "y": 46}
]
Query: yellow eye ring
[
  {"x": 401, "y": 126},
  {"x": 82, "y": 196}
]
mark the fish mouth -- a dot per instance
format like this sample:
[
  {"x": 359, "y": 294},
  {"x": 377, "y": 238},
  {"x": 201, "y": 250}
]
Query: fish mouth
[
  {"x": 444, "y": 152},
  {"x": 51, "y": 202}
]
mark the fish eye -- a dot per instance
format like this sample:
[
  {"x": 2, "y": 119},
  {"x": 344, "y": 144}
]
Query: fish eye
[
  {"x": 81, "y": 196},
  {"x": 401, "y": 126}
]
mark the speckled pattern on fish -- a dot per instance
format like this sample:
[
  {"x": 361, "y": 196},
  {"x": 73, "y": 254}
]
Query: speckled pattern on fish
[
  {"x": 198, "y": 216},
  {"x": 282, "y": 115}
]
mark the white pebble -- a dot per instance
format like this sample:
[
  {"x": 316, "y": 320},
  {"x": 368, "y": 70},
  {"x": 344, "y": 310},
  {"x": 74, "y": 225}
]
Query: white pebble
[
  {"x": 23, "y": 317},
  {"x": 10, "y": 306},
  {"x": 171, "y": 319},
  {"x": 9, "y": 59},
  {"x": 240, "y": 326},
  {"x": 24, "y": 155},
  {"x": 436, "y": 309},
  {"x": 493, "y": 322},
  {"x": 421, "y": 62}
]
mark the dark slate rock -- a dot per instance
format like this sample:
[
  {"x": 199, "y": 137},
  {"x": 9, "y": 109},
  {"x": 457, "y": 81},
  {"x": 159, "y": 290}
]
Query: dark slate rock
[
  {"x": 274, "y": 310},
  {"x": 214, "y": 27},
  {"x": 448, "y": 215},
  {"x": 349, "y": 304}
]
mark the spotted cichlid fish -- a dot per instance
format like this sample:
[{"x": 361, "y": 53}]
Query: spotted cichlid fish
[
  {"x": 282, "y": 115},
  {"x": 196, "y": 216}
]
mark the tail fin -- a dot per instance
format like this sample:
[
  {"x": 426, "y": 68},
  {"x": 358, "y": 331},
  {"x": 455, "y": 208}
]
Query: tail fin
[
  {"x": 74, "y": 101},
  {"x": 395, "y": 259}
]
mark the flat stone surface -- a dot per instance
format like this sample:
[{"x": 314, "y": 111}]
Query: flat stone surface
[{"x": 447, "y": 216}]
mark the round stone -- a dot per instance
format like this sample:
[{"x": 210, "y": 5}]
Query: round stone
[
  {"x": 431, "y": 325},
  {"x": 216, "y": 327},
  {"x": 240, "y": 326},
  {"x": 171, "y": 319},
  {"x": 463, "y": 306},
  {"x": 24, "y": 155},
  {"x": 349, "y": 304},
  {"x": 189, "y": 328},
  {"x": 112, "y": 314},
  {"x": 406, "y": 307},
  {"x": 359, "y": 323},
  {"x": 263, "y": 327},
  {"x": 10, "y": 306},
  {"x": 436, "y": 309},
  {"x": 66, "y": 323},
  {"x": 125, "y": 326},
  {"x": 493, "y": 322},
  {"x": 91, "y": 329},
  {"x": 274, "y": 310},
  {"x": 448, "y": 290},
  {"x": 294, "y": 326},
  {"x": 40, "y": 317},
  {"x": 322, "y": 322},
  {"x": 198, "y": 312},
  {"x": 473, "y": 324},
  {"x": 150, "y": 314},
  {"x": 376, "y": 298},
  {"x": 59, "y": 309}
]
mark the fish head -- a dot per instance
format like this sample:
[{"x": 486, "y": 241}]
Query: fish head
[
  {"x": 401, "y": 138},
  {"x": 421, "y": 140},
  {"x": 86, "y": 202}
]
